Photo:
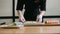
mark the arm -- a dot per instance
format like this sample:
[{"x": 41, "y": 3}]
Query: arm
[
  {"x": 20, "y": 4},
  {"x": 19, "y": 13},
  {"x": 43, "y": 10},
  {"x": 43, "y": 7}
]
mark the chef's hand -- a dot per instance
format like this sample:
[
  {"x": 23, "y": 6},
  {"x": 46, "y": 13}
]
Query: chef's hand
[
  {"x": 39, "y": 18},
  {"x": 21, "y": 18}
]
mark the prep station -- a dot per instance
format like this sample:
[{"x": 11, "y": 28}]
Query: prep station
[{"x": 30, "y": 27}]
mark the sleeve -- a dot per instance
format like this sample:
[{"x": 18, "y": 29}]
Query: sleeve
[
  {"x": 20, "y": 4},
  {"x": 43, "y": 5}
]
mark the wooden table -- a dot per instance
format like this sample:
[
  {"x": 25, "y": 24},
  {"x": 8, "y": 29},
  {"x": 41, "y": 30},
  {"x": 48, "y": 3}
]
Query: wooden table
[{"x": 31, "y": 30}]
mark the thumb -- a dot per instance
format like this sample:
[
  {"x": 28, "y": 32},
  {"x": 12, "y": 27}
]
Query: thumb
[
  {"x": 37, "y": 19},
  {"x": 23, "y": 20}
]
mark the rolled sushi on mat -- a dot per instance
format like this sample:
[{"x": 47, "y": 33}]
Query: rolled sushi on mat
[{"x": 19, "y": 24}]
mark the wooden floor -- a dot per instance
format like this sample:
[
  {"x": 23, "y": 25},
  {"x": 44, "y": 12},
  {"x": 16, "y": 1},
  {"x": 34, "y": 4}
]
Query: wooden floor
[{"x": 32, "y": 30}]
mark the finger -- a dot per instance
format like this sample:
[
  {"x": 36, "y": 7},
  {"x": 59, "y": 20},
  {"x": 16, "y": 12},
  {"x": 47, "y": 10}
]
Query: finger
[
  {"x": 37, "y": 19},
  {"x": 23, "y": 20},
  {"x": 40, "y": 20},
  {"x": 20, "y": 20}
]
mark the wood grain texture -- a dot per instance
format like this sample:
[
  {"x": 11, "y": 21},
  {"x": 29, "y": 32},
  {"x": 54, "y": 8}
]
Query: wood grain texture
[{"x": 31, "y": 30}]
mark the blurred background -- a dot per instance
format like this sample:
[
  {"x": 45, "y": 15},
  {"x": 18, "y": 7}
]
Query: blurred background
[{"x": 8, "y": 11}]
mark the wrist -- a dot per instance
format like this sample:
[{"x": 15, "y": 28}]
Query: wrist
[
  {"x": 39, "y": 16},
  {"x": 20, "y": 15}
]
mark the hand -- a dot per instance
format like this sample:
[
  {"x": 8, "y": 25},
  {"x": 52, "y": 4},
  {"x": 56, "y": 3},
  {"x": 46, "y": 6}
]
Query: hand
[
  {"x": 21, "y": 19},
  {"x": 39, "y": 18}
]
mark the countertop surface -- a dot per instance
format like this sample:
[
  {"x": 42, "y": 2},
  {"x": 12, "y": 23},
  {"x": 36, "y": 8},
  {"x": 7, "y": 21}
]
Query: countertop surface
[
  {"x": 36, "y": 28},
  {"x": 31, "y": 29}
]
